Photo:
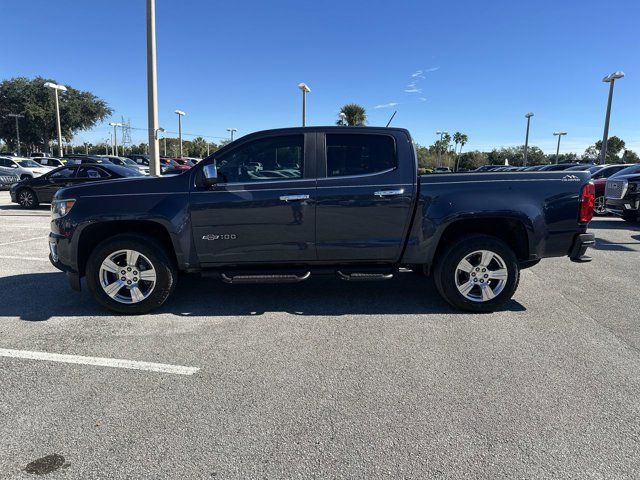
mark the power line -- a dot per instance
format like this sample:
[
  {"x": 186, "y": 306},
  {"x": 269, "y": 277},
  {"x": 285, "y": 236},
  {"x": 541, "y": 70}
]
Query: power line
[{"x": 183, "y": 133}]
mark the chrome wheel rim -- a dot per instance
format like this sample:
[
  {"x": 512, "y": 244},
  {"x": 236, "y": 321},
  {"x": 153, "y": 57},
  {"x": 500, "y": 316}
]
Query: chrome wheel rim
[
  {"x": 26, "y": 198},
  {"x": 127, "y": 276},
  {"x": 599, "y": 205},
  {"x": 481, "y": 276}
]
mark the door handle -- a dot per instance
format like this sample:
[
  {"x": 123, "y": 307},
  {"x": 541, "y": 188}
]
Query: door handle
[
  {"x": 389, "y": 193},
  {"x": 293, "y": 198}
]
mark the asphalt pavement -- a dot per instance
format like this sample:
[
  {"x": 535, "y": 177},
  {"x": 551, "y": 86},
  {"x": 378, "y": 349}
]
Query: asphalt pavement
[{"x": 325, "y": 379}]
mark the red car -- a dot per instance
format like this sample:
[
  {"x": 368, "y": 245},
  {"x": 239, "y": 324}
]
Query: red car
[{"x": 171, "y": 165}]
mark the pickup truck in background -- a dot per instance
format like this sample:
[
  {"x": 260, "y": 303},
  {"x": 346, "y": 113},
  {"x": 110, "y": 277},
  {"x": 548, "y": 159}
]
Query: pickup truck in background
[{"x": 283, "y": 205}]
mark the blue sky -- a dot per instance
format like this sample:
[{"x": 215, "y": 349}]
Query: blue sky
[{"x": 471, "y": 66}]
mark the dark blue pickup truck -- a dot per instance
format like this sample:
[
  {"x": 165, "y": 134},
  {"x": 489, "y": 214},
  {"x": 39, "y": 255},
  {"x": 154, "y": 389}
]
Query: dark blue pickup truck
[{"x": 283, "y": 205}]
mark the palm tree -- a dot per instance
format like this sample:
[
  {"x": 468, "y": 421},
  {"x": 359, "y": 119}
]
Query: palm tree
[
  {"x": 354, "y": 114},
  {"x": 456, "y": 139},
  {"x": 463, "y": 139}
]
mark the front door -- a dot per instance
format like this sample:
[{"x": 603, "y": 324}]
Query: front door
[
  {"x": 365, "y": 196},
  {"x": 63, "y": 177},
  {"x": 263, "y": 208}
]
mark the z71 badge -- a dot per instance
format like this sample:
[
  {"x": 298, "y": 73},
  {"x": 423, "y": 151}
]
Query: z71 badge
[{"x": 222, "y": 236}]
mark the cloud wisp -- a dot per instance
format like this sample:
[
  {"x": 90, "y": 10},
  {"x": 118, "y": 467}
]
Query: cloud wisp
[
  {"x": 415, "y": 78},
  {"x": 387, "y": 105}
]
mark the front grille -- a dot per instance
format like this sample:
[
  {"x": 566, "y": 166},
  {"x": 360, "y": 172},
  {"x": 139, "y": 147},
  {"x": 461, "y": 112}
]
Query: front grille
[
  {"x": 615, "y": 189},
  {"x": 8, "y": 179}
]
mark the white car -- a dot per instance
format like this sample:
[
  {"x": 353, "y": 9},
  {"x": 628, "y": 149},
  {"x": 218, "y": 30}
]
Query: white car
[
  {"x": 48, "y": 161},
  {"x": 24, "y": 167}
]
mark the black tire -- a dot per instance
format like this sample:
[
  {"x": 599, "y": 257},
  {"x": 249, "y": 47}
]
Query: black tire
[
  {"x": 445, "y": 272},
  {"x": 166, "y": 272},
  {"x": 27, "y": 198}
]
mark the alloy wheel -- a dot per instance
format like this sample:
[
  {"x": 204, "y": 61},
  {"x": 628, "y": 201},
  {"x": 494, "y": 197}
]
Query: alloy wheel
[
  {"x": 481, "y": 276},
  {"x": 26, "y": 198},
  {"x": 600, "y": 205},
  {"x": 127, "y": 276}
]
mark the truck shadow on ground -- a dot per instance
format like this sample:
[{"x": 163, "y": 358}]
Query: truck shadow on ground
[
  {"x": 196, "y": 296},
  {"x": 611, "y": 223}
]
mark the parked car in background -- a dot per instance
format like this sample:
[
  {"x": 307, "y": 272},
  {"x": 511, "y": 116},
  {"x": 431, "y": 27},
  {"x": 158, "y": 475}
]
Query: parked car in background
[
  {"x": 127, "y": 162},
  {"x": 442, "y": 170},
  {"x": 557, "y": 167},
  {"x": 584, "y": 167},
  {"x": 48, "y": 161},
  {"x": 486, "y": 168},
  {"x": 82, "y": 159},
  {"x": 534, "y": 168},
  {"x": 139, "y": 158},
  {"x": 7, "y": 178},
  {"x": 23, "y": 167},
  {"x": 607, "y": 171},
  {"x": 622, "y": 194},
  {"x": 29, "y": 193},
  {"x": 168, "y": 164}
]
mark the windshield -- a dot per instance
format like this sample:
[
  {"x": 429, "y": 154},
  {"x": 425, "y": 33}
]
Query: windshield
[
  {"x": 627, "y": 171},
  {"x": 28, "y": 164}
]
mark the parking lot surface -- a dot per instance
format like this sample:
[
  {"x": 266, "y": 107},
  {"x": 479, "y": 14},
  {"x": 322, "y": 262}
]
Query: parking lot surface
[{"x": 326, "y": 379}]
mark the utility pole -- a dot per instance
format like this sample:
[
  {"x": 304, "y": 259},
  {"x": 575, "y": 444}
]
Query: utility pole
[
  {"x": 231, "y": 130},
  {"x": 442, "y": 134},
  {"x": 526, "y": 138},
  {"x": 17, "y": 116},
  {"x": 305, "y": 89},
  {"x": 152, "y": 91},
  {"x": 180, "y": 114},
  {"x": 559, "y": 134},
  {"x": 61, "y": 88},
  {"x": 115, "y": 137},
  {"x": 610, "y": 79}
]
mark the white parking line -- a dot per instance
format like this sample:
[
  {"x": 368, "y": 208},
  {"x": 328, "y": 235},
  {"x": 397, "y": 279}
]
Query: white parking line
[
  {"x": 22, "y": 241},
  {"x": 99, "y": 361},
  {"x": 38, "y": 259}
]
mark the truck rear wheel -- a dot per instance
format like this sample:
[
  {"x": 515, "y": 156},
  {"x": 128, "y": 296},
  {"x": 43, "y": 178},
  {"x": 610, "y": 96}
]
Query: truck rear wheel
[
  {"x": 477, "y": 273},
  {"x": 130, "y": 274}
]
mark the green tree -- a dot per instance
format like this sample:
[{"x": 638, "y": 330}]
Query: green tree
[
  {"x": 614, "y": 146},
  {"x": 629, "y": 156},
  {"x": 79, "y": 110},
  {"x": 471, "y": 160},
  {"x": 355, "y": 114},
  {"x": 198, "y": 147}
]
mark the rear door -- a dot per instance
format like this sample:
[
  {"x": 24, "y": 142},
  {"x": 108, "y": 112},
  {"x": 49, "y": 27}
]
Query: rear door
[
  {"x": 55, "y": 180},
  {"x": 366, "y": 186},
  {"x": 263, "y": 208}
]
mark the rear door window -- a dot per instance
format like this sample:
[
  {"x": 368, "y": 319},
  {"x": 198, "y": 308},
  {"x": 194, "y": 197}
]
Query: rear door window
[
  {"x": 359, "y": 154},
  {"x": 63, "y": 173},
  {"x": 92, "y": 172}
]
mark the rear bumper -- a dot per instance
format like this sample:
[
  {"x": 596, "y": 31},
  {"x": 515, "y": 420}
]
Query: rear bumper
[{"x": 581, "y": 242}]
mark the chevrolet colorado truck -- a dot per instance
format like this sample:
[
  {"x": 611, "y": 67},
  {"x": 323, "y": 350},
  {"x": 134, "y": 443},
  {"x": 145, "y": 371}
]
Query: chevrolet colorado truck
[{"x": 283, "y": 205}]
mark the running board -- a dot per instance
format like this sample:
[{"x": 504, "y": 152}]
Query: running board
[
  {"x": 264, "y": 278},
  {"x": 364, "y": 276}
]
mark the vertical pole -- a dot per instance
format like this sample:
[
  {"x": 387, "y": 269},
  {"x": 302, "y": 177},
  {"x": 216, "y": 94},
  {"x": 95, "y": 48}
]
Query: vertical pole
[
  {"x": 165, "y": 147},
  {"x": 207, "y": 149},
  {"x": 106, "y": 149},
  {"x": 605, "y": 136},
  {"x": 304, "y": 110},
  {"x": 526, "y": 142},
  {"x": 180, "y": 132},
  {"x": 60, "y": 152},
  {"x": 18, "y": 135},
  {"x": 115, "y": 141},
  {"x": 152, "y": 91},
  {"x": 558, "y": 149}
]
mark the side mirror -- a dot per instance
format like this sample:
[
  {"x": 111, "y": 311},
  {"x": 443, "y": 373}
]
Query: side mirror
[{"x": 210, "y": 174}]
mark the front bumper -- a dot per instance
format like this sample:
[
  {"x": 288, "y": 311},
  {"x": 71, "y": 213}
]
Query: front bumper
[
  {"x": 581, "y": 242},
  {"x": 59, "y": 258},
  {"x": 623, "y": 206}
]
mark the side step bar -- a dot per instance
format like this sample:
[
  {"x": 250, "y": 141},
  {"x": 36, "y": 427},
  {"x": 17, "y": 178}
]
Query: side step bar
[
  {"x": 265, "y": 277},
  {"x": 363, "y": 276}
]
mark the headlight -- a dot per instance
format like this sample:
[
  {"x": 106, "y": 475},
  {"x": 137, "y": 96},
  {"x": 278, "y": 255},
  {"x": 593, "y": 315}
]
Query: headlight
[{"x": 59, "y": 208}]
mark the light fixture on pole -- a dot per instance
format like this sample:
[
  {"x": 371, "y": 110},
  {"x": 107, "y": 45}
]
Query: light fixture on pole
[
  {"x": 610, "y": 79},
  {"x": 180, "y": 114},
  {"x": 16, "y": 116},
  {"x": 57, "y": 88},
  {"x": 343, "y": 118},
  {"x": 152, "y": 91},
  {"x": 305, "y": 89},
  {"x": 559, "y": 134},
  {"x": 115, "y": 137},
  {"x": 526, "y": 137},
  {"x": 231, "y": 130}
]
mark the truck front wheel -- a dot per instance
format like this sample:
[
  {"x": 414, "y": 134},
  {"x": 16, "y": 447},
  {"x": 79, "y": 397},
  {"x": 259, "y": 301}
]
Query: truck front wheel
[
  {"x": 478, "y": 273},
  {"x": 130, "y": 274}
]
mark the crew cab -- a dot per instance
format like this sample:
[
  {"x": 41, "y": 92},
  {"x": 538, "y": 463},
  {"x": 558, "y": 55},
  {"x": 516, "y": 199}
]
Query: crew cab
[
  {"x": 623, "y": 194},
  {"x": 284, "y": 205}
]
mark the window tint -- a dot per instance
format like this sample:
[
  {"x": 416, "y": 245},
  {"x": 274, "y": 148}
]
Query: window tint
[
  {"x": 359, "y": 154},
  {"x": 63, "y": 173},
  {"x": 276, "y": 158},
  {"x": 92, "y": 172}
]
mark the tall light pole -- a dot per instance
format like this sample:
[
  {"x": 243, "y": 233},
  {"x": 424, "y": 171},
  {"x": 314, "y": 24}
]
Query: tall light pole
[
  {"x": 559, "y": 134},
  {"x": 17, "y": 116},
  {"x": 180, "y": 114},
  {"x": 231, "y": 130},
  {"x": 610, "y": 79},
  {"x": 107, "y": 141},
  {"x": 526, "y": 137},
  {"x": 442, "y": 134},
  {"x": 57, "y": 88},
  {"x": 152, "y": 91},
  {"x": 305, "y": 89},
  {"x": 115, "y": 137}
]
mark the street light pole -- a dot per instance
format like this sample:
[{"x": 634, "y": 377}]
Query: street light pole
[
  {"x": 17, "y": 116},
  {"x": 62, "y": 88},
  {"x": 559, "y": 134},
  {"x": 526, "y": 138},
  {"x": 115, "y": 137},
  {"x": 442, "y": 134},
  {"x": 180, "y": 114},
  {"x": 152, "y": 91},
  {"x": 610, "y": 79},
  {"x": 231, "y": 130},
  {"x": 305, "y": 89}
]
